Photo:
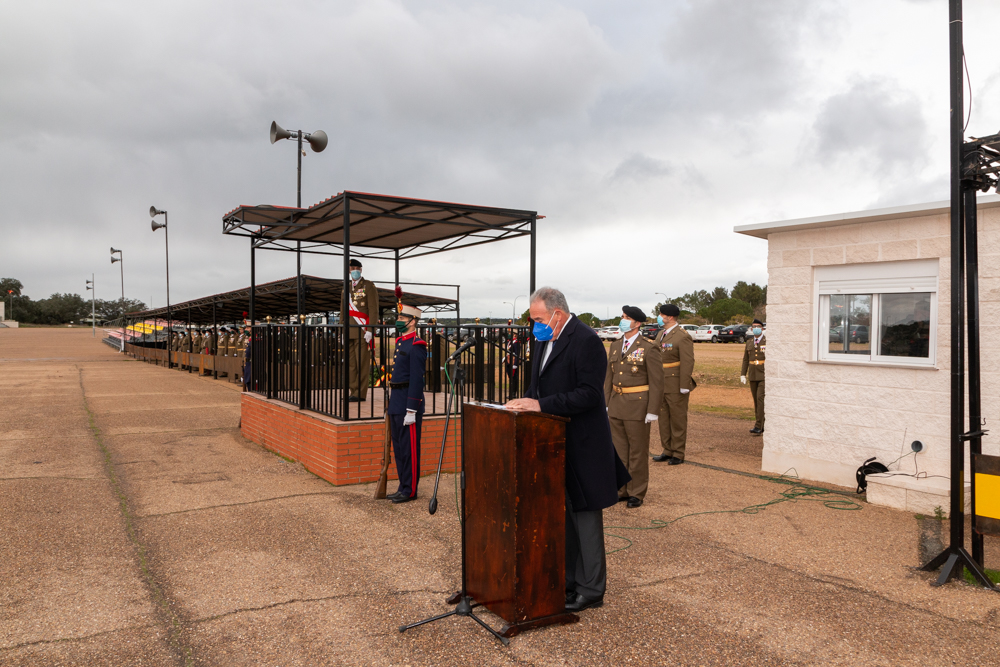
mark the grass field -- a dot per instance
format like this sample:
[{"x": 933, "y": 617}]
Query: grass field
[{"x": 717, "y": 372}]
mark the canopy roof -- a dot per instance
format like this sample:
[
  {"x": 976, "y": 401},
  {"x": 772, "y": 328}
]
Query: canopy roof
[
  {"x": 379, "y": 226},
  {"x": 278, "y": 300}
]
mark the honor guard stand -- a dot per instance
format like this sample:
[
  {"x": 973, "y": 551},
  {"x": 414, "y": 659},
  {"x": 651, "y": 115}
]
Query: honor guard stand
[{"x": 515, "y": 515}]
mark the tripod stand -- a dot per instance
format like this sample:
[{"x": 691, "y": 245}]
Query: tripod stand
[{"x": 464, "y": 602}]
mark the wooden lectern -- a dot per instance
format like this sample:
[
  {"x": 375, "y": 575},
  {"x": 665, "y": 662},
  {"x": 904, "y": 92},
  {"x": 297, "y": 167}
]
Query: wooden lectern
[{"x": 515, "y": 515}]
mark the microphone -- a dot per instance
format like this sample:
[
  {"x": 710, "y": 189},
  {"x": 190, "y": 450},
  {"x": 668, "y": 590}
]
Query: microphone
[{"x": 469, "y": 342}]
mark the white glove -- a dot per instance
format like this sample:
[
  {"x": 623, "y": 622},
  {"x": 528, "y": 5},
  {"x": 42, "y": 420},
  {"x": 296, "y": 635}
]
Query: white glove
[
  {"x": 685, "y": 391},
  {"x": 743, "y": 379},
  {"x": 368, "y": 336},
  {"x": 650, "y": 417},
  {"x": 410, "y": 418}
]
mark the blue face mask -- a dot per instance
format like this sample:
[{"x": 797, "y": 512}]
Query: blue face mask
[
  {"x": 543, "y": 332},
  {"x": 625, "y": 326},
  {"x": 757, "y": 331},
  {"x": 355, "y": 275},
  {"x": 659, "y": 320}
]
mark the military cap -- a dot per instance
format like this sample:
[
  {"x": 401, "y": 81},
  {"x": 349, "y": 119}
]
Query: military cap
[
  {"x": 670, "y": 310},
  {"x": 634, "y": 313},
  {"x": 412, "y": 311},
  {"x": 356, "y": 263},
  {"x": 758, "y": 322}
]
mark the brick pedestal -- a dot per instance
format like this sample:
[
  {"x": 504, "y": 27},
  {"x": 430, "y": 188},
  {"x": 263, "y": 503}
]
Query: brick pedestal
[{"x": 340, "y": 452}]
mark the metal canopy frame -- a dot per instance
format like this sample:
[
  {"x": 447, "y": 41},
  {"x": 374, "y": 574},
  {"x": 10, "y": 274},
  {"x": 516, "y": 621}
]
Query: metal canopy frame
[{"x": 373, "y": 226}]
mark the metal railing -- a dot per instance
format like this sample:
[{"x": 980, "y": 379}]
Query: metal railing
[{"x": 277, "y": 370}]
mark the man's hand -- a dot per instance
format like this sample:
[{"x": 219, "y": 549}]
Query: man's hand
[
  {"x": 410, "y": 418},
  {"x": 368, "y": 336},
  {"x": 743, "y": 379},
  {"x": 528, "y": 404},
  {"x": 650, "y": 417},
  {"x": 685, "y": 391}
]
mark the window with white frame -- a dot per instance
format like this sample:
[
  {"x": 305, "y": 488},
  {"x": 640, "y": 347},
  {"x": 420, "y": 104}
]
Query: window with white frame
[{"x": 878, "y": 313}]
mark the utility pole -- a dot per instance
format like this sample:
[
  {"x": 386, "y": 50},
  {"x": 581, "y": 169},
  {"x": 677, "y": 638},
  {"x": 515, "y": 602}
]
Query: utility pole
[{"x": 93, "y": 319}]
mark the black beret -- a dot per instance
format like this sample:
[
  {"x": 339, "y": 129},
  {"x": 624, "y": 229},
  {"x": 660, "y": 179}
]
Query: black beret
[
  {"x": 758, "y": 322},
  {"x": 634, "y": 313},
  {"x": 670, "y": 310},
  {"x": 356, "y": 263}
]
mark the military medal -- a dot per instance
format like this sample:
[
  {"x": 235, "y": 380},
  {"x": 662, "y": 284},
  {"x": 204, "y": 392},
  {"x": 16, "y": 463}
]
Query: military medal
[{"x": 635, "y": 369}]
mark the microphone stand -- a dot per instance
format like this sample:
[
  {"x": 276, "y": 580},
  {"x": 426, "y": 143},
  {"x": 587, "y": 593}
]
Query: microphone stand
[{"x": 464, "y": 602}]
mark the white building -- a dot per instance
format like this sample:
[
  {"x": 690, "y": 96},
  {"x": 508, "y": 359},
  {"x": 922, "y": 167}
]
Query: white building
[{"x": 858, "y": 346}]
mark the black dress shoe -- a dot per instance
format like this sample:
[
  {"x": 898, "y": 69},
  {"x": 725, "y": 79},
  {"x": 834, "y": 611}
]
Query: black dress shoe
[
  {"x": 353, "y": 399},
  {"x": 403, "y": 499},
  {"x": 756, "y": 431},
  {"x": 392, "y": 496},
  {"x": 660, "y": 457},
  {"x": 621, "y": 500},
  {"x": 634, "y": 502},
  {"x": 674, "y": 461},
  {"x": 581, "y": 602},
  {"x": 570, "y": 596}
]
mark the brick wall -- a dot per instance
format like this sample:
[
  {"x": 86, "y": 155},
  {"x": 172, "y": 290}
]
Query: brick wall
[{"x": 339, "y": 452}]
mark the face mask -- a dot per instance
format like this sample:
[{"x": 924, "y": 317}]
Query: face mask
[
  {"x": 659, "y": 320},
  {"x": 355, "y": 275},
  {"x": 757, "y": 331},
  {"x": 543, "y": 332},
  {"x": 401, "y": 326},
  {"x": 625, "y": 326}
]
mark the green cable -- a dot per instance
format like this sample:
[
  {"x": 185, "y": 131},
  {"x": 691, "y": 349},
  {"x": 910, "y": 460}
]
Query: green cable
[{"x": 797, "y": 492}]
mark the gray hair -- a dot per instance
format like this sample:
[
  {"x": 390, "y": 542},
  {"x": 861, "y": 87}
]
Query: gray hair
[{"x": 551, "y": 297}]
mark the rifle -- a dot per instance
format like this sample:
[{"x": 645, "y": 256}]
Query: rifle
[{"x": 386, "y": 452}]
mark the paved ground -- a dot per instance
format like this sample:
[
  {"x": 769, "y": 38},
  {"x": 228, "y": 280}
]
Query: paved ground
[{"x": 138, "y": 528}]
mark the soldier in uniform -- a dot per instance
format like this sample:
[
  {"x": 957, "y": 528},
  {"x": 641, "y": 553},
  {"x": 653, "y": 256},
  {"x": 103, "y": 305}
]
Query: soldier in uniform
[
  {"x": 753, "y": 371},
  {"x": 363, "y": 310},
  {"x": 633, "y": 389},
  {"x": 246, "y": 359},
  {"x": 513, "y": 362},
  {"x": 406, "y": 402},
  {"x": 677, "y": 355}
]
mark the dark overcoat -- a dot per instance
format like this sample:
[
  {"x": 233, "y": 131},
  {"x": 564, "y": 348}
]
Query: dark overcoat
[{"x": 572, "y": 385}]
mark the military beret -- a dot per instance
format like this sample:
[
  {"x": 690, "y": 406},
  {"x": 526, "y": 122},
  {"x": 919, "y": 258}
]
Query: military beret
[
  {"x": 758, "y": 322},
  {"x": 356, "y": 263},
  {"x": 634, "y": 313},
  {"x": 670, "y": 310}
]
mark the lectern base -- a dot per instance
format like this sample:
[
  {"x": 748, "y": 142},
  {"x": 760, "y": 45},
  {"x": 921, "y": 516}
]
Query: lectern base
[{"x": 511, "y": 629}]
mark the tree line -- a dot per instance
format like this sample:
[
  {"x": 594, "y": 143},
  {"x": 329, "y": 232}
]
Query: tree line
[{"x": 60, "y": 308}]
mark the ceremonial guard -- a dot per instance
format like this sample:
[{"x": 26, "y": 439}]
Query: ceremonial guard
[
  {"x": 677, "y": 355},
  {"x": 363, "y": 311},
  {"x": 753, "y": 372},
  {"x": 633, "y": 388},
  {"x": 513, "y": 363},
  {"x": 246, "y": 359},
  {"x": 406, "y": 402}
]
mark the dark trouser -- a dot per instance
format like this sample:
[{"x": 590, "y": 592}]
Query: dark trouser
[
  {"x": 360, "y": 362},
  {"x": 586, "y": 566},
  {"x": 512, "y": 386},
  {"x": 673, "y": 424},
  {"x": 631, "y": 440},
  {"x": 757, "y": 389},
  {"x": 406, "y": 449}
]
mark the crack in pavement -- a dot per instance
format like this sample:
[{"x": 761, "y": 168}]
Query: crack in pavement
[
  {"x": 159, "y": 598},
  {"x": 248, "y": 502},
  {"x": 64, "y": 640},
  {"x": 77, "y": 479}
]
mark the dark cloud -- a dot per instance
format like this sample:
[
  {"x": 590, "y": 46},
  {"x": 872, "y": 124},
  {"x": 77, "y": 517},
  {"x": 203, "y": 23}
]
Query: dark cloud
[{"x": 873, "y": 123}]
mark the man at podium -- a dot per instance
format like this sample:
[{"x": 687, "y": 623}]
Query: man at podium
[{"x": 567, "y": 379}]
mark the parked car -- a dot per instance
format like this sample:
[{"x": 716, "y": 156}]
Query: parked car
[
  {"x": 609, "y": 333},
  {"x": 649, "y": 330},
  {"x": 736, "y": 333},
  {"x": 859, "y": 334},
  {"x": 690, "y": 328},
  {"x": 706, "y": 333}
]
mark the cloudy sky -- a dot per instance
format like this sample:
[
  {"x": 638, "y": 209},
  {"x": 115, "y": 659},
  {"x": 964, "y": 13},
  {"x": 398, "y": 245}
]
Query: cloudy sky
[{"x": 643, "y": 131}]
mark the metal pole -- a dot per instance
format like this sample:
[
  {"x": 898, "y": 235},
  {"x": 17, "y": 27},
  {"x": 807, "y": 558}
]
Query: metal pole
[
  {"x": 121, "y": 266},
  {"x": 531, "y": 287},
  {"x": 253, "y": 282},
  {"x": 397, "y": 267},
  {"x": 975, "y": 395},
  {"x": 93, "y": 309},
  {"x": 215, "y": 338},
  {"x": 298, "y": 244},
  {"x": 344, "y": 308},
  {"x": 170, "y": 324}
]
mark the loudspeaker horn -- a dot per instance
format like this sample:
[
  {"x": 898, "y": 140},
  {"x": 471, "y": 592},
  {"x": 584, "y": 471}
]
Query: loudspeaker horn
[
  {"x": 153, "y": 212},
  {"x": 156, "y": 225},
  {"x": 278, "y": 132},
  {"x": 318, "y": 140}
]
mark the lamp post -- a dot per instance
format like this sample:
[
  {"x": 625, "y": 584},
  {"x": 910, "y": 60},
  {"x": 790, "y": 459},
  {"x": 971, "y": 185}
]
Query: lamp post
[
  {"x": 513, "y": 306},
  {"x": 153, "y": 212},
  {"x": 318, "y": 141},
  {"x": 121, "y": 266},
  {"x": 93, "y": 315}
]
